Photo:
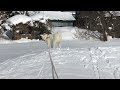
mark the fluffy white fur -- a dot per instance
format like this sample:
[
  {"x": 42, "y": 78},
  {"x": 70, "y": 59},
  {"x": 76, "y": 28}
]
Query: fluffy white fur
[{"x": 53, "y": 40}]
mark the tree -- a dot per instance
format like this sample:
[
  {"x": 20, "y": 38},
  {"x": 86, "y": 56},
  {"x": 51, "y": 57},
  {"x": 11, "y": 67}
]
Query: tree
[
  {"x": 95, "y": 18},
  {"x": 101, "y": 15}
]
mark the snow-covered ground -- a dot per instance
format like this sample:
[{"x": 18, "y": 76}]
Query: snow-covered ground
[{"x": 77, "y": 59}]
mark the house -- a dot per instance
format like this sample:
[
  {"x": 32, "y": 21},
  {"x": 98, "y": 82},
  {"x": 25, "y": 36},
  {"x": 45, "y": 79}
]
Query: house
[
  {"x": 72, "y": 12},
  {"x": 22, "y": 26},
  {"x": 57, "y": 18}
]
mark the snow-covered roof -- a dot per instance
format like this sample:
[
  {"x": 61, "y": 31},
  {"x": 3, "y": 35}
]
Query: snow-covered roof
[
  {"x": 39, "y": 17},
  {"x": 18, "y": 19},
  {"x": 55, "y": 15},
  {"x": 42, "y": 17}
]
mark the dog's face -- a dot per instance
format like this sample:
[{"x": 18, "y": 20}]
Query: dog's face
[{"x": 44, "y": 36}]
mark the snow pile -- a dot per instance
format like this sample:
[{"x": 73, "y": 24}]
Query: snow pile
[
  {"x": 22, "y": 40},
  {"x": 4, "y": 41},
  {"x": 31, "y": 13},
  {"x": 84, "y": 34},
  {"x": 18, "y": 19},
  {"x": 72, "y": 33},
  {"x": 7, "y": 26},
  {"x": 84, "y": 63},
  {"x": 24, "y": 19},
  {"x": 67, "y": 32}
]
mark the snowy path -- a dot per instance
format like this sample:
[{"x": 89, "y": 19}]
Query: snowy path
[
  {"x": 85, "y": 63},
  {"x": 76, "y": 60},
  {"x": 14, "y": 50}
]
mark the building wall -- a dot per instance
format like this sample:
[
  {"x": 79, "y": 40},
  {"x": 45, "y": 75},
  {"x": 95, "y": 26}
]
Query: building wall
[{"x": 62, "y": 23}]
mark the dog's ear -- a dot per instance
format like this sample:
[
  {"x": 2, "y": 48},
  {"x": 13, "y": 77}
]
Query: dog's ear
[{"x": 41, "y": 35}]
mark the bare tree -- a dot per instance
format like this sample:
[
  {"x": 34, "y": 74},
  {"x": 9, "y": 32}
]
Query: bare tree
[{"x": 95, "y": 18}]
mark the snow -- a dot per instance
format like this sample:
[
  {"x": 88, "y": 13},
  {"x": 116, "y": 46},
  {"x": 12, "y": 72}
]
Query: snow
[
  {"x": 109, "y": 38},
  {"x": 19, "y": 19},
  {"x": 110, "y": 28},
  {"x": 31, "y": 13},
  {"x": 22, "y": 40},
  {"x": 57, "y": 15},
  {"x": 6, "y": 26},
  {"x": 84, "y": 34},
  {"x": 67, "y": 32},
  {"x": 25, "y": 40},
  {"x": 115, "y": 13},
  {"x": 71, "y": 33},
  {"x": 100, "y": 62},
  {"x": 52, "y": 15},
  {"x": 39, "y": 17},
  {"x": 77, "y": 59}
]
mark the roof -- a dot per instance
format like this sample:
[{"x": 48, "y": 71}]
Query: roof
[
  {"x": 43, "y": 16},
  {"x": 55, "y": 15},
  {"x": 39, "y": 17}
]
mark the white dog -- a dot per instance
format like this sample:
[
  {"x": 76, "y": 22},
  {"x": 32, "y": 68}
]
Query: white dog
[{"x": 53, "y": 40}]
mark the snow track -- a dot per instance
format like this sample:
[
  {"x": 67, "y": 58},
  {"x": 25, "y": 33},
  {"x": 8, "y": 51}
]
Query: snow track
[{"x": 77, "y": 63}]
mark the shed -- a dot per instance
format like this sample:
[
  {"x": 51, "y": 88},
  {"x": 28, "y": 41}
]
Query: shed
[{"x": 57, "y": 18}]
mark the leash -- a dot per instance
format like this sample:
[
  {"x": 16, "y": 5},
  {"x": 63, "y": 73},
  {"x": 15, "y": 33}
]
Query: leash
[{"x": 53, "y": 67}]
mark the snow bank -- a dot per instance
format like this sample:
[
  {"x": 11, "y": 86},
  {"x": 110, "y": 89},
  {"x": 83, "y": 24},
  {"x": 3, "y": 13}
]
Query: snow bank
[
  {"x": 73, "y": 33},
  {"x": 6, "y": 25},
  {"x": 84, "y": 34},
  {"x": 22, "y": 40},
  {"x": 19, "y": 19},
  {"x": 4, "y": 41}
]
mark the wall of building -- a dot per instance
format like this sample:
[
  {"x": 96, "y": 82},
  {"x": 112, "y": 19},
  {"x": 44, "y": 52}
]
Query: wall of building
[{"x": 62, "y": 23}]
